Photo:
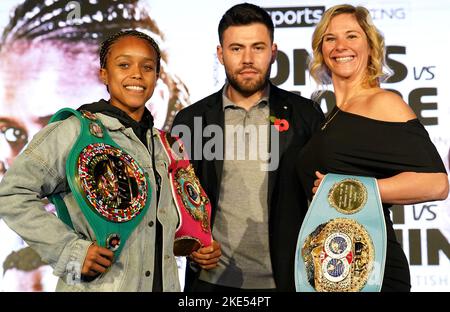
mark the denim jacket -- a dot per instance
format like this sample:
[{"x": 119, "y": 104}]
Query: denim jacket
[{"x": 40, "y": 171}]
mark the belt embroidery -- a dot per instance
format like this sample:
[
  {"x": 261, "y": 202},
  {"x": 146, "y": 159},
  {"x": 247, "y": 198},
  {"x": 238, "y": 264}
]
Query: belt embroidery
[
  {"x": 108, "y": 184},
  {"x": 193, "y": 205}
]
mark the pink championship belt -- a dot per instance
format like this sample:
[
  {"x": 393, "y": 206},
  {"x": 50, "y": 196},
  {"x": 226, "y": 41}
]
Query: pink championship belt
[{"x": 193, "y": 205}]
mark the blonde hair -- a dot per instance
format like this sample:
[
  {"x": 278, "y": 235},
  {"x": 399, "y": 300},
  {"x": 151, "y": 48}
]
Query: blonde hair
[{"x": 376, "y": 63}]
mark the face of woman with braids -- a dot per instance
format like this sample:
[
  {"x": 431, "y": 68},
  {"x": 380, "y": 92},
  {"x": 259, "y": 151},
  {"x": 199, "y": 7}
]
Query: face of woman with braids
[{"x": 130, "y": 74}]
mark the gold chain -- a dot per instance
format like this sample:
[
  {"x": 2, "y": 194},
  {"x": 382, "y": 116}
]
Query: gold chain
[{"x": 330, "y": 119}]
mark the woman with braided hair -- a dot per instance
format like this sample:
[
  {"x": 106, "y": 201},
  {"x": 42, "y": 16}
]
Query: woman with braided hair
[
  {"x": 99, "y": 242},
  {"x": 57, "y": 50}
]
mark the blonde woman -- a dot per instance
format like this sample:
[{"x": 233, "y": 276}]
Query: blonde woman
[{"x": 371, "y": 131}]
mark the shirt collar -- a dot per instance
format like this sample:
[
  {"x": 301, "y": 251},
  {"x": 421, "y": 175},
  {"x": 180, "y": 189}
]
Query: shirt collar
[{"x": 227, "y": 103}]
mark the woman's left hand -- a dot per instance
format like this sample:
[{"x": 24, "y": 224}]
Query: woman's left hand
[{"x": 317, "y": 181}]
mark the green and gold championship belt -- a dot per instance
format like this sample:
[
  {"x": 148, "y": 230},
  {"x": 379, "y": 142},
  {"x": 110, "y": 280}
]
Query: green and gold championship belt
[
  {"x": 109, "y": 186},
  {"x": 341, "y": 246}
]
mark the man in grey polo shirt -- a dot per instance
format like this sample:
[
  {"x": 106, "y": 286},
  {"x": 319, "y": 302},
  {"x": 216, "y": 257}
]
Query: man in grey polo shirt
[{"x": 236, "y": 139}]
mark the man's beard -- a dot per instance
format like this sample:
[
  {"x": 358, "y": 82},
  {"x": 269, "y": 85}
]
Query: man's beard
[{"x": 248, "y": 87}]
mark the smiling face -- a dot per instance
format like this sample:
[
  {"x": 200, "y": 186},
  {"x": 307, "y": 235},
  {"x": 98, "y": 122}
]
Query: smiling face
[
  {"x": 130, "y": 74},
  {"x": 247, "y": 53},
  {"x": 345, "y": 49}
]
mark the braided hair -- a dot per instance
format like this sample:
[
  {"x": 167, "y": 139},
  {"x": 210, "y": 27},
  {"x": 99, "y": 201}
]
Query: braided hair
[
  {"x": 106, "y": 45},
  {"x": 54, "y": 20},
  {"x": 37, "y": 21}
]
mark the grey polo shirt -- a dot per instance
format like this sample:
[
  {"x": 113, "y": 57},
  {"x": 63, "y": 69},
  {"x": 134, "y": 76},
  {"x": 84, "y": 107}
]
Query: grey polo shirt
[{"x": 241, "y": 224}]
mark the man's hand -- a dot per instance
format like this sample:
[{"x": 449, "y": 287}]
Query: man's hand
[
  {"x": 98, "y": 260},
  {"x": 207, "y": 257}
]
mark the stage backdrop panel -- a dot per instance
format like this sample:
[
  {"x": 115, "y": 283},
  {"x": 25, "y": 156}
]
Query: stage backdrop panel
[{"x": 416, "y": 35}]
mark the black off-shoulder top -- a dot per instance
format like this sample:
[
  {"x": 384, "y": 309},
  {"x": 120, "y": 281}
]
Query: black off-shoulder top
[{"x": 357, "y": 145}]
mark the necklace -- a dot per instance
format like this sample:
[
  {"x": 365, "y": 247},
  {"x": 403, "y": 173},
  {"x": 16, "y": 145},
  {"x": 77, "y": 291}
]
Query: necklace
[{"x": 330, "y": 119}]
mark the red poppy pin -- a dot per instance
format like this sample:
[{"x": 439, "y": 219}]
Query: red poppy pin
[{"x": 280, "y": 124}]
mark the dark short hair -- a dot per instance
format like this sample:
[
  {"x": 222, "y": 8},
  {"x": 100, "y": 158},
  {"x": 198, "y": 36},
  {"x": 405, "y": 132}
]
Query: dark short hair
[
  {"x": 245, "y": 14},
  {"x": 106, "y": 45}
]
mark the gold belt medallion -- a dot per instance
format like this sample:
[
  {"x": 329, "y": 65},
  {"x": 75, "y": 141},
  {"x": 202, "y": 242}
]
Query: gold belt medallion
[
  {"x": 348, "y": 196},
  {"x": 338, "y": 256}
]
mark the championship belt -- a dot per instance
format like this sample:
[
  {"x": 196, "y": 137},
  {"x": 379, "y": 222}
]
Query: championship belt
[
  {"x": 109, "y": 186},
  {"x": 341, "y": 246},
  {"x": 193, "y": 205}
]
